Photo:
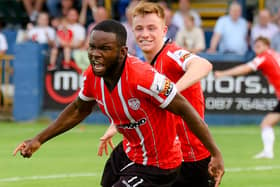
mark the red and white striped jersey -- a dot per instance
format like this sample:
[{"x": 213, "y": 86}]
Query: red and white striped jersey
[
  {"x": 268, "y": 63},
  {"x": 136, "y": 106},
  {"x": 171, "y": 61}
]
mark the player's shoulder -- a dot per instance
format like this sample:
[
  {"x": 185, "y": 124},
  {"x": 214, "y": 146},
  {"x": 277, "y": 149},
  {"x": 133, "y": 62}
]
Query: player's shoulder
[
  {"x": 139, "y": 71},
  {"x": 88, "y": 71},
  {"x": 88, "y": 75},
  {"x": 137, "y": 66},
  {"x": 177, "y": 52}
]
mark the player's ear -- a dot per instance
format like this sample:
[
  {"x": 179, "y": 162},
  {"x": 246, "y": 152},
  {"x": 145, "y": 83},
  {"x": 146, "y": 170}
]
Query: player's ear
[
  {"x": 123, "y": 51},
  {"x": 165, "y": 29}
]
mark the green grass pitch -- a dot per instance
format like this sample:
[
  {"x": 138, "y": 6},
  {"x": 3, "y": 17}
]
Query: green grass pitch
[{"x": 71, "y": 160}]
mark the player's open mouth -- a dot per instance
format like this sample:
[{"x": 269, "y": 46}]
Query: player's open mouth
[{"x": 97, "y": 65}]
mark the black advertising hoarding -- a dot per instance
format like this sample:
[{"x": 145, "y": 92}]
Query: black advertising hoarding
[{"x": 248, "y": 94}]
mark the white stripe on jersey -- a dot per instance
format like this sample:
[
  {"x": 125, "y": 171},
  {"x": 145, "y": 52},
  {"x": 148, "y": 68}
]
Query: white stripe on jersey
[
  {"x": 104, "y": 102},
  {"x": 176, "y": 58},
  {"x": 251, "y": 65},
  {"x": 149, "y": 92},
  {"x": 82, "y": 96},
  {"x": 85, "y": 98},
  {"x": 256, "y": 63},
  {"x": 145, "y": 158},
  {"x": 123, "y": 102}
]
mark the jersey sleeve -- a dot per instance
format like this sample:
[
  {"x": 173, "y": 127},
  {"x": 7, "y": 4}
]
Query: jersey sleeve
[
  {"x": 86, "y": 91},
  {"x": 256, "y": 63},
  {"x": 161, "y": 90},
  {"x": 181, "y": 57}
]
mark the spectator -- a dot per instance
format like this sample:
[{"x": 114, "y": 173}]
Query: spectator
[
  {"x": 33, "y": 7},
  {"x": 42, "y": 32},
  {"x": 185, "y": 7},
  {"x": 59, "y": 8},
  {"x": 130, "y": 42},
  {"x": 274, "y": 8},
  {"x": 77, "y": 29},
  {"x": 71, "y": 36},
  {"x": 87, "y": 4},
  {"x": 3, "y": 44},
  {"x": 63, "y": 39},
  {"x": 3, "y": 41},
  {"x": 191, "y": 37},
  {"x": 100, "y": 14},
  {"x": 172, "y": 28},
  {"x": 264, "y": 27},
  {"x": 229, "y": 41},
  {"x": 118, "y": 7},
  {"x": 275, "y": 42}
]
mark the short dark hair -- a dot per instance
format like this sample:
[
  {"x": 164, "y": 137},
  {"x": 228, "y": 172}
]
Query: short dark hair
[{"x": 113, "y": 27}]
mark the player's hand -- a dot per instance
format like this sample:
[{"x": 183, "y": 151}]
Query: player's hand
[
  {"x": 218, "y": 74},
  {"x": 107, "y": 139},
  {"x": 216, "y": 169},
  {"x": 27, "y": 148},
  {"x": 103, "y": 145}
]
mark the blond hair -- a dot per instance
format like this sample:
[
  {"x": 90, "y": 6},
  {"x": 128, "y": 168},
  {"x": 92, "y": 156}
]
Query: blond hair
[{"x": 143, "y": 8}]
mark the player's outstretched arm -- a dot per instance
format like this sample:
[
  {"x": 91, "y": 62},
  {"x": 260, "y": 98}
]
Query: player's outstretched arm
[
  {"x": 107, "y": 139},
  {"x": 72, "y": 115},
  {"x": 196, "y": 69},
  {"x": 242, "y": 69},
  {"x": 182, "y": 107}
]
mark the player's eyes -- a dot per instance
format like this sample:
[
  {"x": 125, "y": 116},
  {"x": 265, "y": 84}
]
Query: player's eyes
[
  {"x": 151, "y": 28},
  {"x": 138, "y": 28}
]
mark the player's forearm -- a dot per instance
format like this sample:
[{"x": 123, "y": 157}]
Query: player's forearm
[
  {"x": 110, "y": 132},
  {"x": 238, "y": 70},
  {"x": 183, "y": 108},
  {"x": 69, "y": 118},
  {"x": 198, "y": 69},
  {"x": 201, "y": 130}
]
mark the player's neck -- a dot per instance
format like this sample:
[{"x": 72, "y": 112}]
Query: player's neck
[
  {"x": 149, "y": 56},
  {"x": 112, "y": 80}
]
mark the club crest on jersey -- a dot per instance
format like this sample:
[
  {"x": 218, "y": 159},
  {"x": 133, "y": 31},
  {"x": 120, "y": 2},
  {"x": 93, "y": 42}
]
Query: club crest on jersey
[{"x": 134, "y": 103}]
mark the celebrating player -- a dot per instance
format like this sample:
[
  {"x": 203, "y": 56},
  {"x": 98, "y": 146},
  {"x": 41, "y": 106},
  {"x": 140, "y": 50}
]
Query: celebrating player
[{"x": 137, "y": 99}]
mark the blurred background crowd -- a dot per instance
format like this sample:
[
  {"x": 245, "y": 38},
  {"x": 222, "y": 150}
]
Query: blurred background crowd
[{"x": 218, "y": 27}]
